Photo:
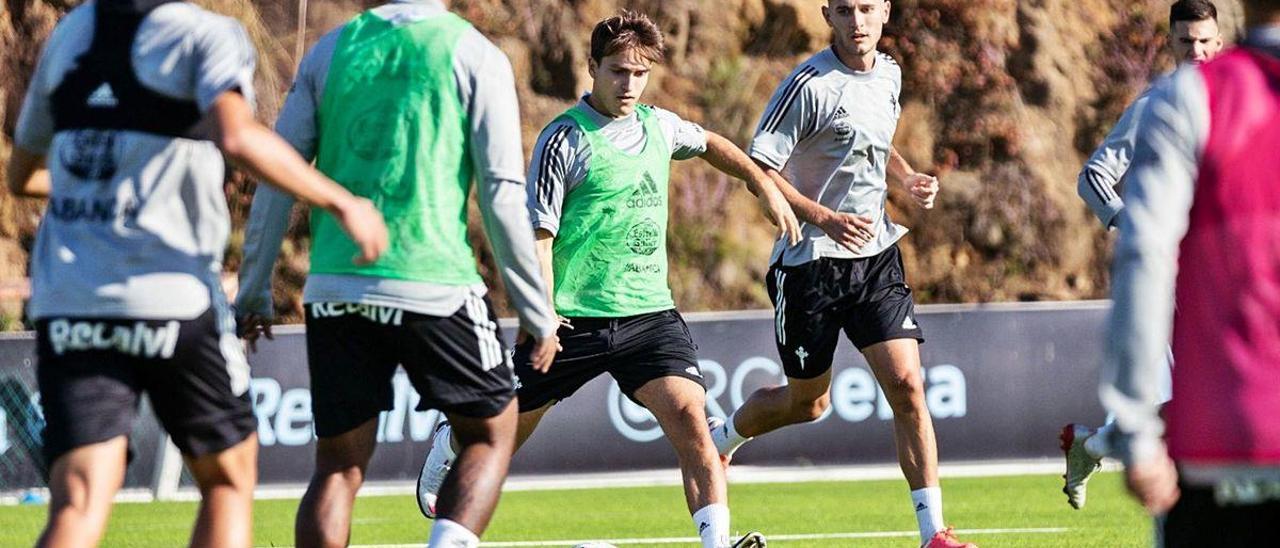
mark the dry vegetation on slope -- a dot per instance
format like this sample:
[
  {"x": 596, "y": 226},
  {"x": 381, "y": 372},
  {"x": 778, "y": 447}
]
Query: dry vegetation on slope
[{"x": 1003, "y": 98}]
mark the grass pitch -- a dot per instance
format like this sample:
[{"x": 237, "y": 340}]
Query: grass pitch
[{"x": 868, "y": 513}]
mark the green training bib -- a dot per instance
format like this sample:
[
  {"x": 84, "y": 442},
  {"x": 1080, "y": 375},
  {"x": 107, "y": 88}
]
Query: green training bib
[
  {"x": 610, "y": 255},
  {"x": 393, "y": 130}
]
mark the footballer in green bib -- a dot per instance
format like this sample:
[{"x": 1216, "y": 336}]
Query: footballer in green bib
[
  {"x": 610, "y": 256},
  {"x": 394, "y": 130}
]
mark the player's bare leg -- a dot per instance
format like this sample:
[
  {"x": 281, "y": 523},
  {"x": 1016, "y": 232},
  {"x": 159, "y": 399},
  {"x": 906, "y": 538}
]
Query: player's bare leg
[
  {"x": 470, "y": 491},
  {"x": 896, "y": 365},
  {"x": 444, "y": 451},
  {"x": 771, "y": 408},
  {"x": 324, "y": 516},
  {"x": 226, "y": 480},
  {"x": 82, "y": 485},
  {"x": 528, "y": 422},
  {"x": 679, "y": 406}
]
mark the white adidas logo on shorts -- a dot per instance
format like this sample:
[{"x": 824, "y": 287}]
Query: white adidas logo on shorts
[{"x": 103, "y": 97}]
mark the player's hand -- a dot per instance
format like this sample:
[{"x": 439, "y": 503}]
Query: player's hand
[
  {"x": 849, "y": 230},
  {"x": 252, "y": 326},
  {"x": 363, "y": 222},
  {"x": 544, "y": 350},
  {"x": 779, "y": 212},
  {"x": 1154, "y": 483},
  {"x": 923, "y": 188}
]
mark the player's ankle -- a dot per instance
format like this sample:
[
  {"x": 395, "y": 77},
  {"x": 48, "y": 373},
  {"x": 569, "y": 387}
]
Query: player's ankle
[
  {"x": 712, "y": 522},
  {"x": 727, "y": 438},
  {"x": 447, "y": 533},
  {"x": 928, "y": 508},
  {"x": 1098, "y": 445}
]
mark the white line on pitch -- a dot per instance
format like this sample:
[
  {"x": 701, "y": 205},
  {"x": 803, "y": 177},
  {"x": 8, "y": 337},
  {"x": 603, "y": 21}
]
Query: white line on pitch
[{"x": 694, "y": 540}]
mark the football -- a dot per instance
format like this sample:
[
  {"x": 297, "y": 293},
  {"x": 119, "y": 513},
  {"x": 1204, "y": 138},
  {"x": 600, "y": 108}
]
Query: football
[{"x": 595, "y": 545}]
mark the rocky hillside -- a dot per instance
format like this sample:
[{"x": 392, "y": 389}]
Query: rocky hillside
[{"x": 1002, "y": 98}]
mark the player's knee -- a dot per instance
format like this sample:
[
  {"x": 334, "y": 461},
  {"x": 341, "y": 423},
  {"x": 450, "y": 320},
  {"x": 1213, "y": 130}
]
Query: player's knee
[
  {"x": 211, "y": 473},
  {"x": 484, "y": 434},
  {"x": 495, "y": 432},
  {"x": 905, "y": 393},
  {"x": 343, "y": 477},
  {"x": 692, "y": 412},
  {"x": 684, "y": 418},
  {"x": 241, "y": 481},
  {"x": 85, "y": 524},
  {"x": 80, "y": 510},
  {"x": 484, "y": 446},
  {"x": 344, "y": 466},
  {"x": 809, "y": 410},
  {"x": 474, "y": 436}
]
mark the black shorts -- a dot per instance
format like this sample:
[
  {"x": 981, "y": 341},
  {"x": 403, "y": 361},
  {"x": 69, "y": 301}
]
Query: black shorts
[
  {"x": 1200, "y": 520},
  {"x": 93, "y": 371},
  {"x": 457, "y": 363},
  {"x": 868, "y": 298},
  {"x": 635, "y": 350}
]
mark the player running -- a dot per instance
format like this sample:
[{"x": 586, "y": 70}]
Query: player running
[
  {"x": 599, "y": 200},
  {"x": 1195, "y": 38},
  {"x": 1201, "y": 233},
  {"x": 829, "y": 130},
  {"x": 134, "y": 103},
  {"x": 404, "y": 104}
]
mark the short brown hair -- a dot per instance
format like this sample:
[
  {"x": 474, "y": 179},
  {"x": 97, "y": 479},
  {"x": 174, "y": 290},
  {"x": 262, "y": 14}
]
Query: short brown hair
[
  {"x": 1191, "y": 11},
  {"x": 628, "y": 30}
]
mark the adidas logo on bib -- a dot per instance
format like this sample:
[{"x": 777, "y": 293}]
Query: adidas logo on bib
[{"x": 646, "y": 194}]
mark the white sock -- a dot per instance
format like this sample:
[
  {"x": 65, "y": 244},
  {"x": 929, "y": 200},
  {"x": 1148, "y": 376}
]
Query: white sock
[
  {"x": 448, "y": 534},
  {"x": 1099, "y": 444},
  {"x": 446, "y": 434},
  {"x": 727, "y": 439},
  {"x": 928, "y": 504},
  {"x": 712, "y": 522}
]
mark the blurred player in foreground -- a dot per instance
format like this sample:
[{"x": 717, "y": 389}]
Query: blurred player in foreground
[
  {"x": 1194, "y": 38},
  {"x": 1201, "y": 233},
  {"x": 407, "y": 103},
  {"x": 133, "y": 104}
]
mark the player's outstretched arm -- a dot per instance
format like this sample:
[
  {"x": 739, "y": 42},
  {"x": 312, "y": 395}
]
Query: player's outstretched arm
[
  {"x": 922, "y": 187},
  {"x": 27, "y": 174},
  {"x": 266, "y": 156},
  {"x": 850, "y": 231},
  {"x": 728, "y": 158}
]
